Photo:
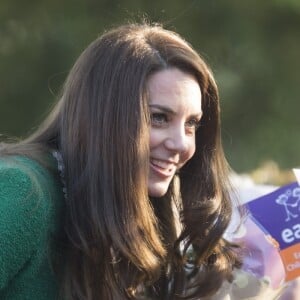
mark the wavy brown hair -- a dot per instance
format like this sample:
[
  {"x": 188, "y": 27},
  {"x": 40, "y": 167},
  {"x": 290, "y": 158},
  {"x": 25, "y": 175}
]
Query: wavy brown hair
[{"x": 118, "y": 243}]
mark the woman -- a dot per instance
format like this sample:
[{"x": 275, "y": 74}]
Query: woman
[{"x": 136, "y": 134}]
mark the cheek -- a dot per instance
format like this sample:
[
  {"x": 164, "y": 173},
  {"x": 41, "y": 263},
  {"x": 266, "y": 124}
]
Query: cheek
[
  {"x": 193, "y": 150},
  {"x": 154, "y": 138},
  {"x": 190, "y": 151}
]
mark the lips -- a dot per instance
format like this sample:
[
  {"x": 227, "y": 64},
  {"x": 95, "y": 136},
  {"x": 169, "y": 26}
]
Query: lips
[{"x": 163, "y": 168}]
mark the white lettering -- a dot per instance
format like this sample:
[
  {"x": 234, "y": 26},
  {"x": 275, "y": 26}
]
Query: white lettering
[
  {"x": 297, "y": 231},
  {"x": 292, "y": 267},
  {"x": 297, "y": 255},
  {"x": 287, "y": 235}
]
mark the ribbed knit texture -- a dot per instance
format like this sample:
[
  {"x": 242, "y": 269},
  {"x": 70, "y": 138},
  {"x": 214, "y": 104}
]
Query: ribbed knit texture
[{"x": 31, "y": 203}]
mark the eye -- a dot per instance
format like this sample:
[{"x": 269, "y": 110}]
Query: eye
[
  {"x": 158, "y": 119},
  {"x": 193, "y": 124}
]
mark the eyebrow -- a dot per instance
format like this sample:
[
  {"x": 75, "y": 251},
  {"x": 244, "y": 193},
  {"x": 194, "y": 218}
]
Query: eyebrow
[
  {"x": 172, "y": 112},
  {"x": 163, "y": 108}
]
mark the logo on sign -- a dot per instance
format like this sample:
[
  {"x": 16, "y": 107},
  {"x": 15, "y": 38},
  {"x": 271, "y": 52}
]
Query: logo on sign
[{"x": 290, "y": 200}]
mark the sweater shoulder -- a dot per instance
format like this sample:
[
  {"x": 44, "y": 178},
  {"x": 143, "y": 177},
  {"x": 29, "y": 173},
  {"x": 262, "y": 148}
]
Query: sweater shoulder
[
  {"x": 19, "y": 181},
  {"x": 26, "y": 212},
  {"x": 25, "y": 182}
]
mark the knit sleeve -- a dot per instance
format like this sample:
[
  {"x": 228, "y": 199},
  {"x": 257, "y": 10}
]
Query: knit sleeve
[{"x": 21, "y": 219}]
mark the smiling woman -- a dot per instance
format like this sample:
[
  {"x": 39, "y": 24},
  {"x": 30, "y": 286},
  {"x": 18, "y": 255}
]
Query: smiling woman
[
  {"x": 136, "y": 135},
  {"x": 175, "y": 109}
]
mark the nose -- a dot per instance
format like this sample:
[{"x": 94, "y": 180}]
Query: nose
[{"x": 177, "y": 141}]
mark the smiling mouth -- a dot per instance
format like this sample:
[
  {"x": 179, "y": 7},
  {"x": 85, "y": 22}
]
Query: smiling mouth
[{"x": 162, "y": 168}]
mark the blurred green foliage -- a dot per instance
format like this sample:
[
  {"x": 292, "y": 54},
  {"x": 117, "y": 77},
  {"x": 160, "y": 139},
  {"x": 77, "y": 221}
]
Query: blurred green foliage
[{"x": 252, "y": 46}]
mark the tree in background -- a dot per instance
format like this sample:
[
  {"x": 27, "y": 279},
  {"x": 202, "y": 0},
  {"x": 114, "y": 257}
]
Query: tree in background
[{"x": 253, "y": 47}]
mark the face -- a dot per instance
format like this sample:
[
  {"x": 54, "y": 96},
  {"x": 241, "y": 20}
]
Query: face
[{"x": 175, "y": 107}]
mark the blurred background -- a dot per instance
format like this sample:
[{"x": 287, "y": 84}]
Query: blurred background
[{"x": 253, "y": 48}]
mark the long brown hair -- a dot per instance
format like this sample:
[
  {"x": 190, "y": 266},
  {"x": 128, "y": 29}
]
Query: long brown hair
[{"x": 119, "y": 244}]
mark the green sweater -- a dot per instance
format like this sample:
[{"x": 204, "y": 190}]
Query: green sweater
[{"x": 31, "y": 204}]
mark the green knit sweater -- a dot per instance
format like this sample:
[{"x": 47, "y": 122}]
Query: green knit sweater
[{"x": 31, "y": 204}]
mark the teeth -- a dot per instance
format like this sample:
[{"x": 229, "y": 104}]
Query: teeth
[{"x": 159, "y": 163}]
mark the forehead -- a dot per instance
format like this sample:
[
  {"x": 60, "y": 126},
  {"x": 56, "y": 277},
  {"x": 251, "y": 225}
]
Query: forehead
[{"x": 175, "y": 88}]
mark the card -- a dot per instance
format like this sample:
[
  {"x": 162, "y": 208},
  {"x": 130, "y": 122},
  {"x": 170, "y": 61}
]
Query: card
[{"x": 278, "y": 215}]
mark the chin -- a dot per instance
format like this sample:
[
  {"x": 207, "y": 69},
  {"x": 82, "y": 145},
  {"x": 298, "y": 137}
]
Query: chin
[{"x": 157, "y": 190}]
